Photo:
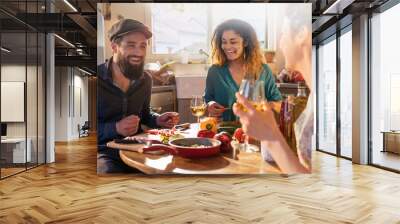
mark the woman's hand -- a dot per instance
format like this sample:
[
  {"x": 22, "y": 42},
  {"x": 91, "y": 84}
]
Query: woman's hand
[
  {"x": 215, "y": 109},
  {"x": 262, "y": 126},
  {"x": 257, "y": 124}
]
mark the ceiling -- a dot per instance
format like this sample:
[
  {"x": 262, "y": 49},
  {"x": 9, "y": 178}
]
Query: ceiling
[
  {"x": 78, "y": 27},
  {"x": 76, "y": 23}
]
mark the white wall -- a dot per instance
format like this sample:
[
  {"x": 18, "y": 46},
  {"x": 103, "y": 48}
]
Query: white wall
[
  {"x": 61, "y": 103},
  {"x": 12, "y": 73},
  {"x": 33, "y": 127},
  {"x": 69, "y": 85},
  {"x": 81, "y": 84}
]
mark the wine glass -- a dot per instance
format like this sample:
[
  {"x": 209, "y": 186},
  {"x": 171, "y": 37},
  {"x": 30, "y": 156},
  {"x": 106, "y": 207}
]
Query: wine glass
[
  {"x": 253, "y": 91},
  {"x": 198, "y": 107}
]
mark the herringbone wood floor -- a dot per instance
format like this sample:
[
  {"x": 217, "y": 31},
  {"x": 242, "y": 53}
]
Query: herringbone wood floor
[{"x": 69, "y": 191}]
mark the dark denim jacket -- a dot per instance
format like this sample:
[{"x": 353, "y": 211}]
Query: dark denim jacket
[{"x": 113, "y": 104}]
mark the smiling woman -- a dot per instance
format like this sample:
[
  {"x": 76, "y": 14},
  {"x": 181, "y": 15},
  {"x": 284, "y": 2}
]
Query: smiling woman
[{"x": 236, "y": 54}]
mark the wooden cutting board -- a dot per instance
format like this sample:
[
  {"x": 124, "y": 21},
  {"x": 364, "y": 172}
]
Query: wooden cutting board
[{"x": 132, "y": 147}]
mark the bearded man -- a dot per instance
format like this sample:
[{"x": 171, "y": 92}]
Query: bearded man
[{"x": 124, "y": 93}]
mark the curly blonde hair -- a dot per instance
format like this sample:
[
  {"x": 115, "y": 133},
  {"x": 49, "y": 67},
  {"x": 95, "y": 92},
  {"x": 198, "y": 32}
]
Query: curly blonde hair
[{"x": 252, "y": 55}]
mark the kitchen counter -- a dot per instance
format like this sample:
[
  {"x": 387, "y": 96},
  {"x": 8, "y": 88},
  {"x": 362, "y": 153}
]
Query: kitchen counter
[
  {"x": 157, "y": 89},
  {"x": 163, "y": 98}
]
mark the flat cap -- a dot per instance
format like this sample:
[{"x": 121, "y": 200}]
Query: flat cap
[{"x": 125, "y": 26}]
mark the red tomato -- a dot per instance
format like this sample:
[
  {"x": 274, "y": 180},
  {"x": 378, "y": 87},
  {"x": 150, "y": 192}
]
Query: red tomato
[
  {"x": 239, "y": 135},
  {"x": 225, "y": 140},
  {"x": 205, "y": 134}
]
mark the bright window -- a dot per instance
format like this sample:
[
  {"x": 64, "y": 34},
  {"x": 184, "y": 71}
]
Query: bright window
[
  {"x": 327, "y": 97},
  {"x": 189, "y": 26},
  {"x": 346, "y": 94},
  {"x": 178, "y": 26},
  {"x": 385, "y": 84}
]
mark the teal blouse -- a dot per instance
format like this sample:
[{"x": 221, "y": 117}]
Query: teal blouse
[{"x": 221, "y": 88}]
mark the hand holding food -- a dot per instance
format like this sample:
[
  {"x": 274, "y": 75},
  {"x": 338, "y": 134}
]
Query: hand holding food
[
  {"x": 215, "y": 109},
  {"x": 128, "y": 125},
  {"x": 168, "y": 119}
]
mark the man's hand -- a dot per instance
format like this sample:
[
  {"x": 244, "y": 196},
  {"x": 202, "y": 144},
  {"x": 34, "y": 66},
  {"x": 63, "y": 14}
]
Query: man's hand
[
  {"x": 128, "y": 126},
  {"x": 168, "y": 119}
]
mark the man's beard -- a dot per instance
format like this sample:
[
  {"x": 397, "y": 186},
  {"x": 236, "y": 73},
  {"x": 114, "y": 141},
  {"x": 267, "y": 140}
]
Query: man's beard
[{"x": 132, "y": 72}]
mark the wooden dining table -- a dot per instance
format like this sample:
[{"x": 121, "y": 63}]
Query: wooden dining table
[{"x": 224, "y": 163}]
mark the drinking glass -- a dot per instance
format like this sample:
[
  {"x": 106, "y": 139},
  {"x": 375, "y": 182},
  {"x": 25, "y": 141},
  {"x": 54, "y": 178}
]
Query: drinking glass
[
  {"x": 198, "y": 107},
  {"x": 253, "y": 90}
]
